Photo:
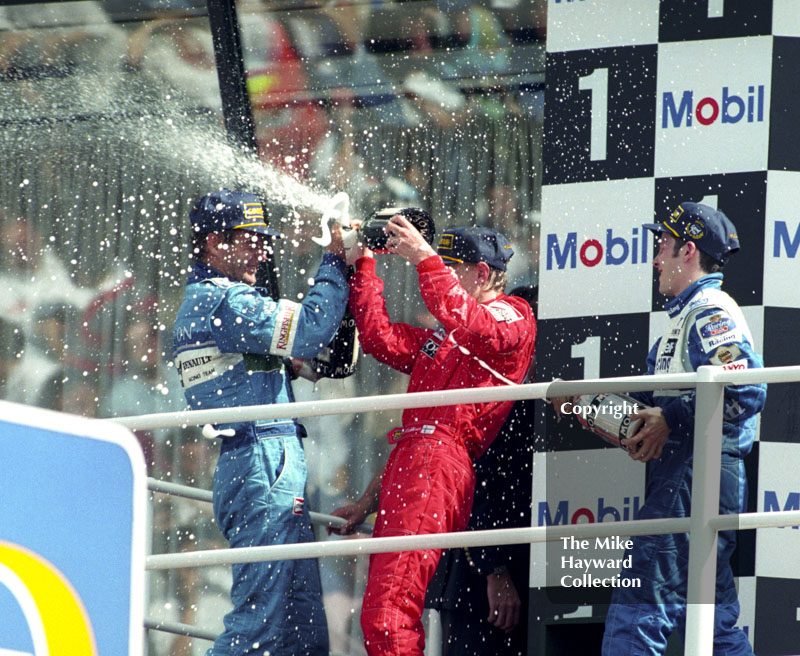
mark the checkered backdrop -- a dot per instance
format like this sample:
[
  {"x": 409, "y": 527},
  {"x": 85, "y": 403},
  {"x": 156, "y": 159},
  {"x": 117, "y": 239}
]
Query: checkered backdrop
[{"x": 649, "y": 103}]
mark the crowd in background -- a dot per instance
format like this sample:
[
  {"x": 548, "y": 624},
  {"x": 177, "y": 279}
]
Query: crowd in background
[{"x": 432, "y": 103}]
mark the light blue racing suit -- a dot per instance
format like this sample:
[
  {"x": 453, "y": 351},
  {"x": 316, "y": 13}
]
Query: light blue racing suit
[
  {"x": 229, "y": 346},
  {"x": 706, "y": 328}
]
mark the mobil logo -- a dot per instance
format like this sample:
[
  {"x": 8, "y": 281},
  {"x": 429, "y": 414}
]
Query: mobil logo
[
  {"x": 680, "y": 108},
  {"x": 772, "y": 502},
  {"x": 585, "y": 515},
  {"x": 564, "y": 252},
  {"x": 785, "y": 243}
]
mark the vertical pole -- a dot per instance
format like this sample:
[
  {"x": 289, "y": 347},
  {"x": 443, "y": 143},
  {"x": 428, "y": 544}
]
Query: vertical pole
[
  {"x": 433, "y": 634},
  {"x": 231, "y": 72},
  {"x": 705, "y": 505},
  {"x": 236, "y": 108}
]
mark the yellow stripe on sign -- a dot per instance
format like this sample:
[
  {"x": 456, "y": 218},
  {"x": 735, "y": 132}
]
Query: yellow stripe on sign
[{"x": 52, "y": 608}]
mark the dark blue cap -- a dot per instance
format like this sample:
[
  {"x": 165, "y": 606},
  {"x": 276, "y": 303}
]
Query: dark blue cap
[
  {"x": 230, "y": 210},
  {"x": 475, "y": 244},
  {"x": 709, "y": 229}
]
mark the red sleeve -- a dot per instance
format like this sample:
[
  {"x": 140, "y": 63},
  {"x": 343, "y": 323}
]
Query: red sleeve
[
  {"x": 395, "y": 344},
  {"x": 498, "y": 327}
]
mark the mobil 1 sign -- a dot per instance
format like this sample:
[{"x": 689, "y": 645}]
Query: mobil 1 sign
[
  {"x": 583, "y": 487},
  {"x": 587, "y": 347},
  {"x": 782, "y": 242},
  {"x": 591, "y": 25},
  {"x": 713, "y": 106},
  {"x": 714, "y": 19},
  {"x": 599, "y": 114},
  {"x": 778, "y": 490},
  {"x": 595, "y": 257}
]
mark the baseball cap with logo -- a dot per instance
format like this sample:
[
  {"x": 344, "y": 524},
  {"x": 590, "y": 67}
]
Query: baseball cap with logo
[
  {"x": 475, "y": 244},
  {"x": 709, "y": 229},
  {"x": 230, "y": 210}
]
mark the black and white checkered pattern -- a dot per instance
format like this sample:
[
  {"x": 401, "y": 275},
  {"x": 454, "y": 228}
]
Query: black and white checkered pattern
[{"x": 649, "y": 103}]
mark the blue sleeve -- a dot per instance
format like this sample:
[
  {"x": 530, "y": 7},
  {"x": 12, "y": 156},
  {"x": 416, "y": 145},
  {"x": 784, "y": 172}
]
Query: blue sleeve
[
  {"x": 715, "y": 339},
  {"x": 247, "y": 321},
  {"x": 647, "y": 397}
]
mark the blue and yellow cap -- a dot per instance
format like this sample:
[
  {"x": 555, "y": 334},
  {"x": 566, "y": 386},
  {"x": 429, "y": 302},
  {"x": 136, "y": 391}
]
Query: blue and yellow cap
[
  {"x": 475, "y": 244},
  {"x": 230, "y": 210},
  {"x": 712, "y": 232}
]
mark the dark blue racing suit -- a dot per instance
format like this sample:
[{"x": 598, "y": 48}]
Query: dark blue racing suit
[
  {"x": 229, "y": 346},
  {"x": 706, "y": 328}
]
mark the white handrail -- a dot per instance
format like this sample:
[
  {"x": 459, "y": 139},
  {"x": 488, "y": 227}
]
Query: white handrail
[
  {"x": 179, "y": 628},
  {"x": 720, "y": 523},
  {"x": 748, "y": 521},
  {"x": 703, "y": 525},
  {"x": 402, "y": 401},
  {"x": 197, "y": 494},
  {"x": 493, "y": 537},
  {"x": 358, "y": 547},
  {"x": 451, "y": 397}
]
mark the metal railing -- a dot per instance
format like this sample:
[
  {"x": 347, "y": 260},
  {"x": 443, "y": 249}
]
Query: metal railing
[
  {"x": 703, "y": 524},
  {"x": 197, "y": 494}
]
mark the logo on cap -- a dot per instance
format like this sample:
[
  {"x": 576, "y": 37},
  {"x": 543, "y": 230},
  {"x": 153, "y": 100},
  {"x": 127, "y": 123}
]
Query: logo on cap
[
  {"x": 695, "y": 230},
  {"x": 712, "y": 231},
  {"x": 253, "y": 214},
  {"x": 446, "y": 242},
  {"x": 253, "y": 211},
  {"x": 673, "y": 218}
]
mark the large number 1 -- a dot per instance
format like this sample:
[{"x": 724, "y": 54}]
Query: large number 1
[
  {"x": 711, "y": 201},
  {"x": 597, "y": 83},
  {"x": 589, "y": 350}
]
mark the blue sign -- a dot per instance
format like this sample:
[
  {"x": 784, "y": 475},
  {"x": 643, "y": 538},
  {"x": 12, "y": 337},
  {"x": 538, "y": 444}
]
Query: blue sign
[{"x": 72, "y": 535}]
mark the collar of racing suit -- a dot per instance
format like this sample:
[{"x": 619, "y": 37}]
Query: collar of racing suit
[
  {"x": 202, "y": 271},
  {"x": 677, "y": 304}
]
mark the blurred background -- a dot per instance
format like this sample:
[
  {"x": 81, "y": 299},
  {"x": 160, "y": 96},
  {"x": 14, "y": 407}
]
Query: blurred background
[{"x": 116, "y": 116}]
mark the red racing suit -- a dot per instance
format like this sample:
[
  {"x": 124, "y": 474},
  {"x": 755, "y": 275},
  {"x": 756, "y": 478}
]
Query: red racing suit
[{"x": 428, "y": 482}]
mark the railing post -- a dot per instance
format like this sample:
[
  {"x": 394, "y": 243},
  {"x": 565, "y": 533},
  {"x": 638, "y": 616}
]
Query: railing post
[
  {"x": 433, "y": 633},
  {"x": 705, "y": 506}
]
